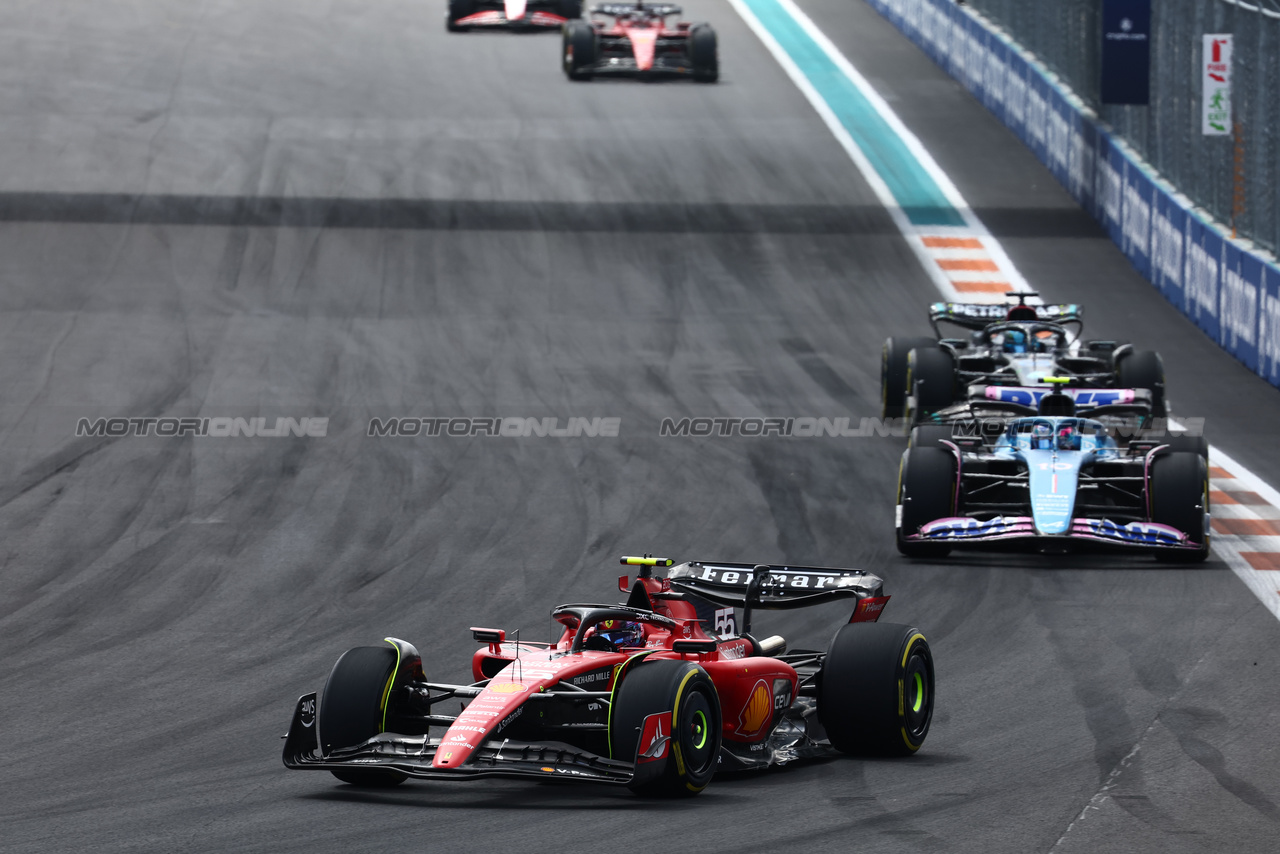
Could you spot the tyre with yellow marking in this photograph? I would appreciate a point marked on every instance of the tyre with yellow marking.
(681, 761)
(893, 373)
(353, 706)
(875, 690)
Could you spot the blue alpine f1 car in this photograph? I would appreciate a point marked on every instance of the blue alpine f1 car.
(1053, 482)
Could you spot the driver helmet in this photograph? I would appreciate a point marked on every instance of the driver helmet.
(1015, 341)
(1068, 438)
(621, 633)
(1041, 437)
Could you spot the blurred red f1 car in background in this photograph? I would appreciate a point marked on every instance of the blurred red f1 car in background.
(639, 42)
(656, 694)
(510, 14)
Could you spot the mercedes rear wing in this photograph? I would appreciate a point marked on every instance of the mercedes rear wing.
(981, 315)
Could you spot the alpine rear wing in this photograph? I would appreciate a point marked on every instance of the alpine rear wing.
(773, 588)
(1089, 402)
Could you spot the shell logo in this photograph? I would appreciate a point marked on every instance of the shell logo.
(756, 713)
(507, 688)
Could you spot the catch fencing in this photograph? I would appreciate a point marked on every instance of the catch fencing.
(1228, 288)
(1065, 35)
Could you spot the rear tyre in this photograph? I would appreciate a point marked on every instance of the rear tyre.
(926, 491)
(579, 49)
(686, 691)
(931, 377)
(458, 9)
(875, 692)
(1180, 499)
(351, 708)
(1145, 369)
(893, 374)
(703, 54)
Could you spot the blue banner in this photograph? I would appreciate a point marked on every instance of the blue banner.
(1168, 226)
(1200, 265)
(1238, 292)
(1269, 325)
(1136, 220)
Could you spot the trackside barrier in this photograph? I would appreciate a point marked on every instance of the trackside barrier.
(1229, 291)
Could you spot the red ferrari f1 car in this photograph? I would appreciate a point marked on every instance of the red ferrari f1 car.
(510, 14)
(656, 694)
(639, 42)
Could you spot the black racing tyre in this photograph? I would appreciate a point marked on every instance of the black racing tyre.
(875, 689)
(1144, 369)
(1183, 443)
(926, 491)
(579, 49)
(931, 377)
(703, 53)
(458, 9)
(570, 9)
(685, 689)
(1180, 498)
(351, 708)
(893, 374)
(928, 435)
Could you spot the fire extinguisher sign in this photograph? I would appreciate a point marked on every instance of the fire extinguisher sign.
(1216, 63)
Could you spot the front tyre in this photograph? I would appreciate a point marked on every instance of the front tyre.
(703, 53)
(927, 492)
(578, 49)
(352, 708)
(1180, 499)
(675, 701)
(875, 693)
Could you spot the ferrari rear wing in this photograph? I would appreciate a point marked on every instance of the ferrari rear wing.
(663, 9)
(772, 587)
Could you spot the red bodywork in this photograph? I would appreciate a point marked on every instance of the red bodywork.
(642, 32)
(754, 691)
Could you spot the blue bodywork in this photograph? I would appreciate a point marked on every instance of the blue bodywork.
(1054, 450)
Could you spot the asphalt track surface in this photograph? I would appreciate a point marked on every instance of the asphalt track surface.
(336, 209)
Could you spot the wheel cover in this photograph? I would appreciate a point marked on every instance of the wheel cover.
(700, 730)
(696, 733)
(918, 702)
